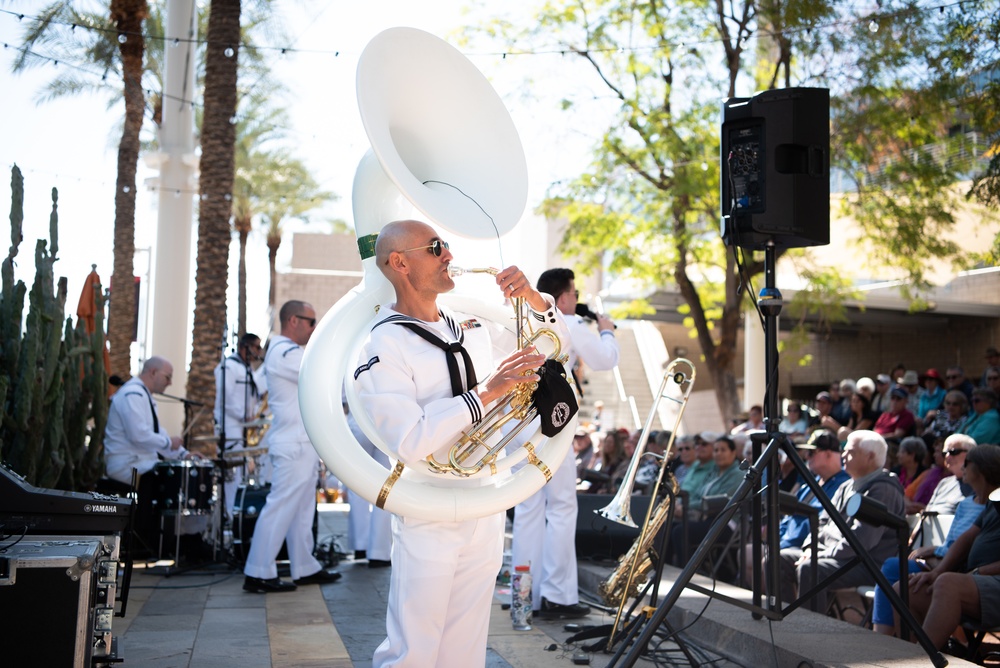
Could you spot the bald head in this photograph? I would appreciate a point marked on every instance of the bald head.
(157, 374)
(396, 236)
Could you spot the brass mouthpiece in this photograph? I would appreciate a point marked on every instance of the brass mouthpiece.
(455, 271)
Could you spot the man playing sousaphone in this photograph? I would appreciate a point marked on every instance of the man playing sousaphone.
(420, 397)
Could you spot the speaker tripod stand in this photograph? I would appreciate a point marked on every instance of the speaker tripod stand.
(770, 303)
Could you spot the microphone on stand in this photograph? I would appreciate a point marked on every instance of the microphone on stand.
(189, 402)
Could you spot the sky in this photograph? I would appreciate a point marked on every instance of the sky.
(71, 143)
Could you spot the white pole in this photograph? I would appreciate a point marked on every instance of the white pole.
(754, 374)
(170, 325)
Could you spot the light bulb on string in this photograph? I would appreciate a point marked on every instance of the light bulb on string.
(873, 26)
(229, 52)
(122, 39)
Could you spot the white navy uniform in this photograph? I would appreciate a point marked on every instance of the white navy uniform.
(244, 389)
(133, 437)
(443, 572)
(544, 533)
(291, 503)
(369, 527)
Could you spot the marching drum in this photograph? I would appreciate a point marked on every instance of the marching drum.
(186, 487)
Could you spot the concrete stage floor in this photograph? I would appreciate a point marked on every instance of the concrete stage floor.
(203, 618)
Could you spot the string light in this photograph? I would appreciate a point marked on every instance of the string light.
(283, 50)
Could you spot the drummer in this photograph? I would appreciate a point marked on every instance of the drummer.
(242, 375)
(134, 439)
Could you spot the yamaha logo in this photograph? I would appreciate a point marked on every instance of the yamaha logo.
(100, 509)
(560, 414)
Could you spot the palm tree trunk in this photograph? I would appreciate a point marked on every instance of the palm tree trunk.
(272, 259)
(128, 15)
(241, 324)
(217, 172)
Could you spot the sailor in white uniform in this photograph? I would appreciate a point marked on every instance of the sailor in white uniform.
(241, 399)
(291, 504)
(545, 523)
(420, 398)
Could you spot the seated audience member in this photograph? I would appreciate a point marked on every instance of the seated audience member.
(652, 462)
(991, 379)
(898, 421)
(910, 382)
(866, 386)
(754, 422)
(955, 377)
(822, 456)
(794, 424)
(965, 584)
(864, 456)
(842, 408)
(583, 451)
(880, 400)
(701, 469)
(611, 464)
(684, 447)
(910, 460)
(983, 424)
(950, 417)
(824, 404)
(933, 393)
(992, 362)
(927, 482)
(861, 416)
(952, 489)
(721, 483)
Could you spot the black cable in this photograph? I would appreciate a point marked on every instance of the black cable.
(24, 532)
(478, 205)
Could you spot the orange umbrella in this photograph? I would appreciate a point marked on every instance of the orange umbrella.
(86, 310)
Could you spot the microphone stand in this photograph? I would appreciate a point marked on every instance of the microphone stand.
(220, 531)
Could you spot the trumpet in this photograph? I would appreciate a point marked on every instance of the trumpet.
(621, 584)
(515, 406)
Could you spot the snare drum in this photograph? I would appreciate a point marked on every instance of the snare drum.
(187, 487)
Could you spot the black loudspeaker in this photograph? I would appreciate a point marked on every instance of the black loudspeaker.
(598, 538)
(775, 176)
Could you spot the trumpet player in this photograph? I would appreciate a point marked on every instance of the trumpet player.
(545, 523)
(420, 397)
(239, 387)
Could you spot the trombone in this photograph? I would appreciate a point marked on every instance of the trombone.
(619, 509)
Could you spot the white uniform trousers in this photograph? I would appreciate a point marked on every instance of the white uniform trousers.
(545, 537)
(288, 513)
(440, 592)
(233, 478)
(369, 528)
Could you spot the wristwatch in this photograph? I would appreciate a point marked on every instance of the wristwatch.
(974, 571)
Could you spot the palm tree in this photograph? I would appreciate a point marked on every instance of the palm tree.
(108, 42)
(293, 193)
(218, 138)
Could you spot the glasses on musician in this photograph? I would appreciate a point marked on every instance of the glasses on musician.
(435, 248)
(311, 321)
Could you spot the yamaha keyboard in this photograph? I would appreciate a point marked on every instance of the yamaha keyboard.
(32, 510)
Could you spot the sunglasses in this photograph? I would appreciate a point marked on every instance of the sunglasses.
(992, 377)
(311, 321)
(683, 447)
(954, 452)
(435, 249)
(952, 376)
(978, 400)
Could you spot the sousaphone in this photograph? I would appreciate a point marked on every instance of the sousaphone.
(442, 142)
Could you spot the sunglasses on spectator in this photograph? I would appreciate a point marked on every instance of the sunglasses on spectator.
(992, 377)
(952, 376)
(954, 452)
(311, 321)
(978, 400)
(434, 249)
(683, 447)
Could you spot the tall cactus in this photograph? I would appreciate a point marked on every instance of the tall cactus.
(52, 377)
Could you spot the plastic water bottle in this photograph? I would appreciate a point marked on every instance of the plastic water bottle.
(520, 604)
